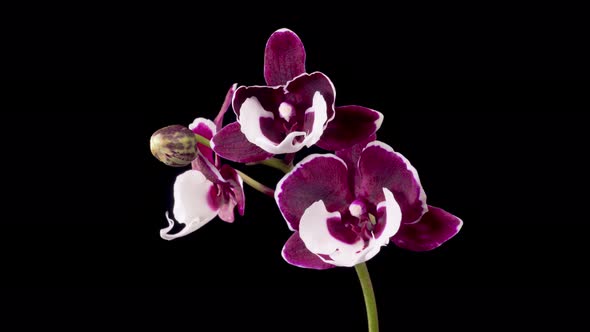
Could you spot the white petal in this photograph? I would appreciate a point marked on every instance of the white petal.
(393, 217)
(313, 230)
(191, 204)
(320, 110)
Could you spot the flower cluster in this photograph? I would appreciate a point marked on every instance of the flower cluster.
(372, 196)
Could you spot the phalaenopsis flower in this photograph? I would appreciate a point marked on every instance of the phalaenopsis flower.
(373, 194)
(294, 110)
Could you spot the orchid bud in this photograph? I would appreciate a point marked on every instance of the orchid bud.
(174, 145)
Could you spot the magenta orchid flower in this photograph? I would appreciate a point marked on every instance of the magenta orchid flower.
(295, 110)
(373, 195)
(209, 189)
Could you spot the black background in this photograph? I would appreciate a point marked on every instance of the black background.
(84, 198)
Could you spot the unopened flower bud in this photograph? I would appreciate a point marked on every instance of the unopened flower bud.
(174, 145)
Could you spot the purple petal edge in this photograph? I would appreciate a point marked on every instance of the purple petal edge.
(295, 253)
(231, 144)
(284, 57)
(434, 228)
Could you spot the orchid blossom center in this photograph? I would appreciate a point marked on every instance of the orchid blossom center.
(286, 111)
(357, 208)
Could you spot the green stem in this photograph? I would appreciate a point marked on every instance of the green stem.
(278, 164)
(370, 303)
(203, 140)
(256, 185)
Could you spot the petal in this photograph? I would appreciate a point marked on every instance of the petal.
(226, 211)
(205, 166)
(236, 186)
(284, 57)
(284, 120)
(231, 144)
(252, 120)
(302, 90)
(225, 106)
(390, 217)
(295, 253)
(232, 194)
(435, 228)
(207, 129)
(259, 127)
(352, 155)
(315, 230)
(381, 167)
(270, 97)
(308, 183)
(351, 125)
(316, 119)
(203, 127)
(194, 203)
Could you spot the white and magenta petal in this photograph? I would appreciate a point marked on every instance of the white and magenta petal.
(206, 128)
(389, 219)
(324, 234)
(316, 118)
(284, 57)
(316, 177)
(195, 204)
(351, 125)
(303, 92)
(231, 144)
(295, 253)
(435, 228)
(380, 167)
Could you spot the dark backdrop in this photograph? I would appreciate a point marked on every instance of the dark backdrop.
(84, 198)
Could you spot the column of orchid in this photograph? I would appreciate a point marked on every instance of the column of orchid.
(372, 196)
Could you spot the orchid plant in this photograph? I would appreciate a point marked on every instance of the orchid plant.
(372, 196)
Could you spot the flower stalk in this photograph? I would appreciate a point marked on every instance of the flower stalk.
(369, 295)
(278, 164)
(256, 185)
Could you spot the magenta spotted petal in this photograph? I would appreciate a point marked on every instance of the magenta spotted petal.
(284, 57)
(380, 167)
(231, 144)
(317, 177)
(295, 253)
(284, 119)
(435, 228)
(351, 125)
